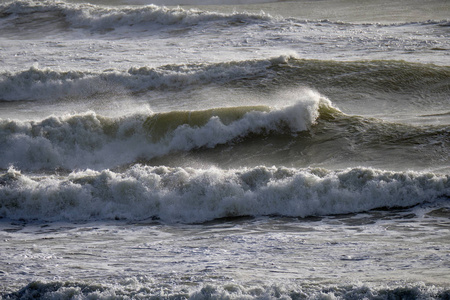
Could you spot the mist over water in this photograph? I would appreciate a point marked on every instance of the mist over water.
(212, 150)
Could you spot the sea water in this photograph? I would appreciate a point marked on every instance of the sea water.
(224, 150)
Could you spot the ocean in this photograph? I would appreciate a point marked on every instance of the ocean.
(204, 149)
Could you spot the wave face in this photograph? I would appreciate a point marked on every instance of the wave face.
(299, 134)
(196, 195)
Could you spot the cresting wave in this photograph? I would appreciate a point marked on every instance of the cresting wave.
(93, 141)
(308, 130)
(198, 195)
(363, 77)
(102, 19)
(141, 290)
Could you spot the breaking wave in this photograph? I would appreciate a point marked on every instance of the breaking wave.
(37, 84)
(417, 81)
(198, 195)
(308, 130)
(93, 141)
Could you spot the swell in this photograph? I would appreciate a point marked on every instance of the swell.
(377, 75)
(197, 195)
(413, 82)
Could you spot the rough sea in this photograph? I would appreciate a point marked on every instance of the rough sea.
(246, 149)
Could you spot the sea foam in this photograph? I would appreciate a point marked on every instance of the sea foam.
(197, 195)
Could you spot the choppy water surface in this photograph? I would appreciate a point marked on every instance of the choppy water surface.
(295, 149)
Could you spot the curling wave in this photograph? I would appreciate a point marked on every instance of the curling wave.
(93, 141)
(307, 131)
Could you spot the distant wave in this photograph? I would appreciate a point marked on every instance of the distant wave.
(198, 195)
(22, 16)
(368, 77)
(102, 19)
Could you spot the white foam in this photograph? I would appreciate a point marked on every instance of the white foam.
(197, 195)
(69, 141)
(47, 84)
(297, 117)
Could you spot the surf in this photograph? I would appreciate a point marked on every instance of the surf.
(190, 195)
